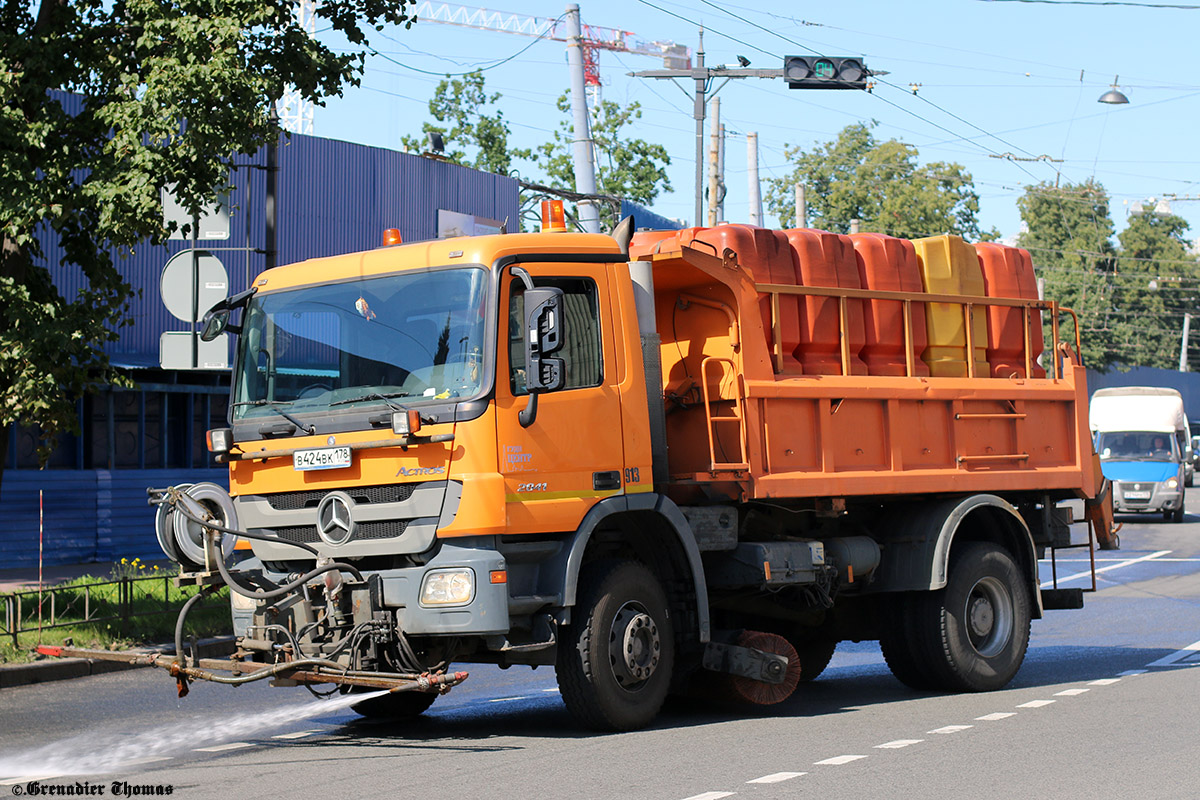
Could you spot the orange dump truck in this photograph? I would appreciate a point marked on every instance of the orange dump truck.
(666, 462)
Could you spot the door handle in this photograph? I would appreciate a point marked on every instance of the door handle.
(606, 480)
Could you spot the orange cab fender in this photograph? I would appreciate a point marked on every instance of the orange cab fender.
(919, 539)
(661, 505)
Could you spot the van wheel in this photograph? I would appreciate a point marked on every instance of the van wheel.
(615, 660)
(1178, 514)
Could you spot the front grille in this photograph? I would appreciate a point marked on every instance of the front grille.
(293, 501)
(382, 529)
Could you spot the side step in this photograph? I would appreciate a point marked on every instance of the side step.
(1062, 599)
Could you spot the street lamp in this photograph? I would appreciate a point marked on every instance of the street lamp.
(1113, 96)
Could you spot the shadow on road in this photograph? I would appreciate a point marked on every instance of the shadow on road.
(838, 690)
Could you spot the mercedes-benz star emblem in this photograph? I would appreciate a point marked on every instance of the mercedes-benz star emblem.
(335, 522)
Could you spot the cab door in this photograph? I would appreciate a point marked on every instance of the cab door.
(556, 469)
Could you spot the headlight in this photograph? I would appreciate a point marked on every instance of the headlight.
(448, 587)
(1173, 483)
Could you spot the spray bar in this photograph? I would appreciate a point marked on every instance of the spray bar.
(305, 670)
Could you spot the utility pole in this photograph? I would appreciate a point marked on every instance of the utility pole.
(1187, 324)
(756, 210)
(714, 163)
(703, 76)
(721, 170)
(585, 166)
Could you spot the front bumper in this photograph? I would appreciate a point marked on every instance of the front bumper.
(1145, 496)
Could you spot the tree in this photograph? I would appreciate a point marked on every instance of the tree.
(633, 169)
(1069, 233)
(881, 184)
(1154, 260)
(459, 105)
(101, 106)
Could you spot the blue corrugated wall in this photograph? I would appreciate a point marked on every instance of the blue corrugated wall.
(90, 515)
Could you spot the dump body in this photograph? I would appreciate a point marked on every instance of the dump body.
(638, 458)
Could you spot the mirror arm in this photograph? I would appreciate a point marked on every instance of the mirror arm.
(529, 413)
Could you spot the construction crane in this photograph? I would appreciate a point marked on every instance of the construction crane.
(595, 37)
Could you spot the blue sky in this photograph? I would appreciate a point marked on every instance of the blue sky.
(994, 78)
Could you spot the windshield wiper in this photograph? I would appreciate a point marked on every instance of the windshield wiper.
(374, 396)
(277, 405)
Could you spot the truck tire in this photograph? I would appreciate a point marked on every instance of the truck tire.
(977, 627)
(815, 655)
(898, 639)
(614, 661)
(395, 705)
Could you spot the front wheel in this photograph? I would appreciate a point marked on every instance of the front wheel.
(615, 660)
(395, 705)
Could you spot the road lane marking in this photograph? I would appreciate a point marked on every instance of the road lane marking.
(1129, 673)
(1037, 703)
(1117, 565)
(1070, 692)
(1104, 682)
(777, 777)
(551, 689)
(710, 796)
(220, 748)
(950, 729)
(837, 761)
(899, 743)
(1189, 654)
(295, 735)
(997, 716)
(506, 699)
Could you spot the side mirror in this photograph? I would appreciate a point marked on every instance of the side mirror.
(216, 319)
(543, 337)
(215, 323)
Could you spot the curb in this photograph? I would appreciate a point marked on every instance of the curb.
(61, 669)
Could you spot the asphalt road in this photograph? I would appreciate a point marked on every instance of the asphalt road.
(1104, 707)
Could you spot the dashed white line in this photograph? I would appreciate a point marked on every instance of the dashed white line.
(899, 743)
(295, 735)
(1104, 682)
(220, 748)
(950, 729)
(837, 761)
(777, 777)
(1071, 692)
(551, 689)
(506, 699)
(997, 716)
(1117, 565)
(1177, 657)
(710, 796)
(1037, 703)
(1129, 673)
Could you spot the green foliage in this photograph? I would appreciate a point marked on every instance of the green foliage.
(881, 184)
(633, 169)
(170, 90)
(1123, 320)
(459, 106)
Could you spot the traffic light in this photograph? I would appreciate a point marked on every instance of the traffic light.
(824, 72)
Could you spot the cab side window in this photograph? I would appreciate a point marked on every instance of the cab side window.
(581, 350)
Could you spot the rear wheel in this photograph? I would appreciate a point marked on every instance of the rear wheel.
(815, 655)
(969, 636)
(615, 660)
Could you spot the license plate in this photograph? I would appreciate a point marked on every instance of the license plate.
(1137, 495)
(324, 458)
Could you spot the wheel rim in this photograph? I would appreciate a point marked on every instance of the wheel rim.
(634, 646)
(989, 616)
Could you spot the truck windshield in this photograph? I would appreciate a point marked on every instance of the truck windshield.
(1137, 446)
(418, 336)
